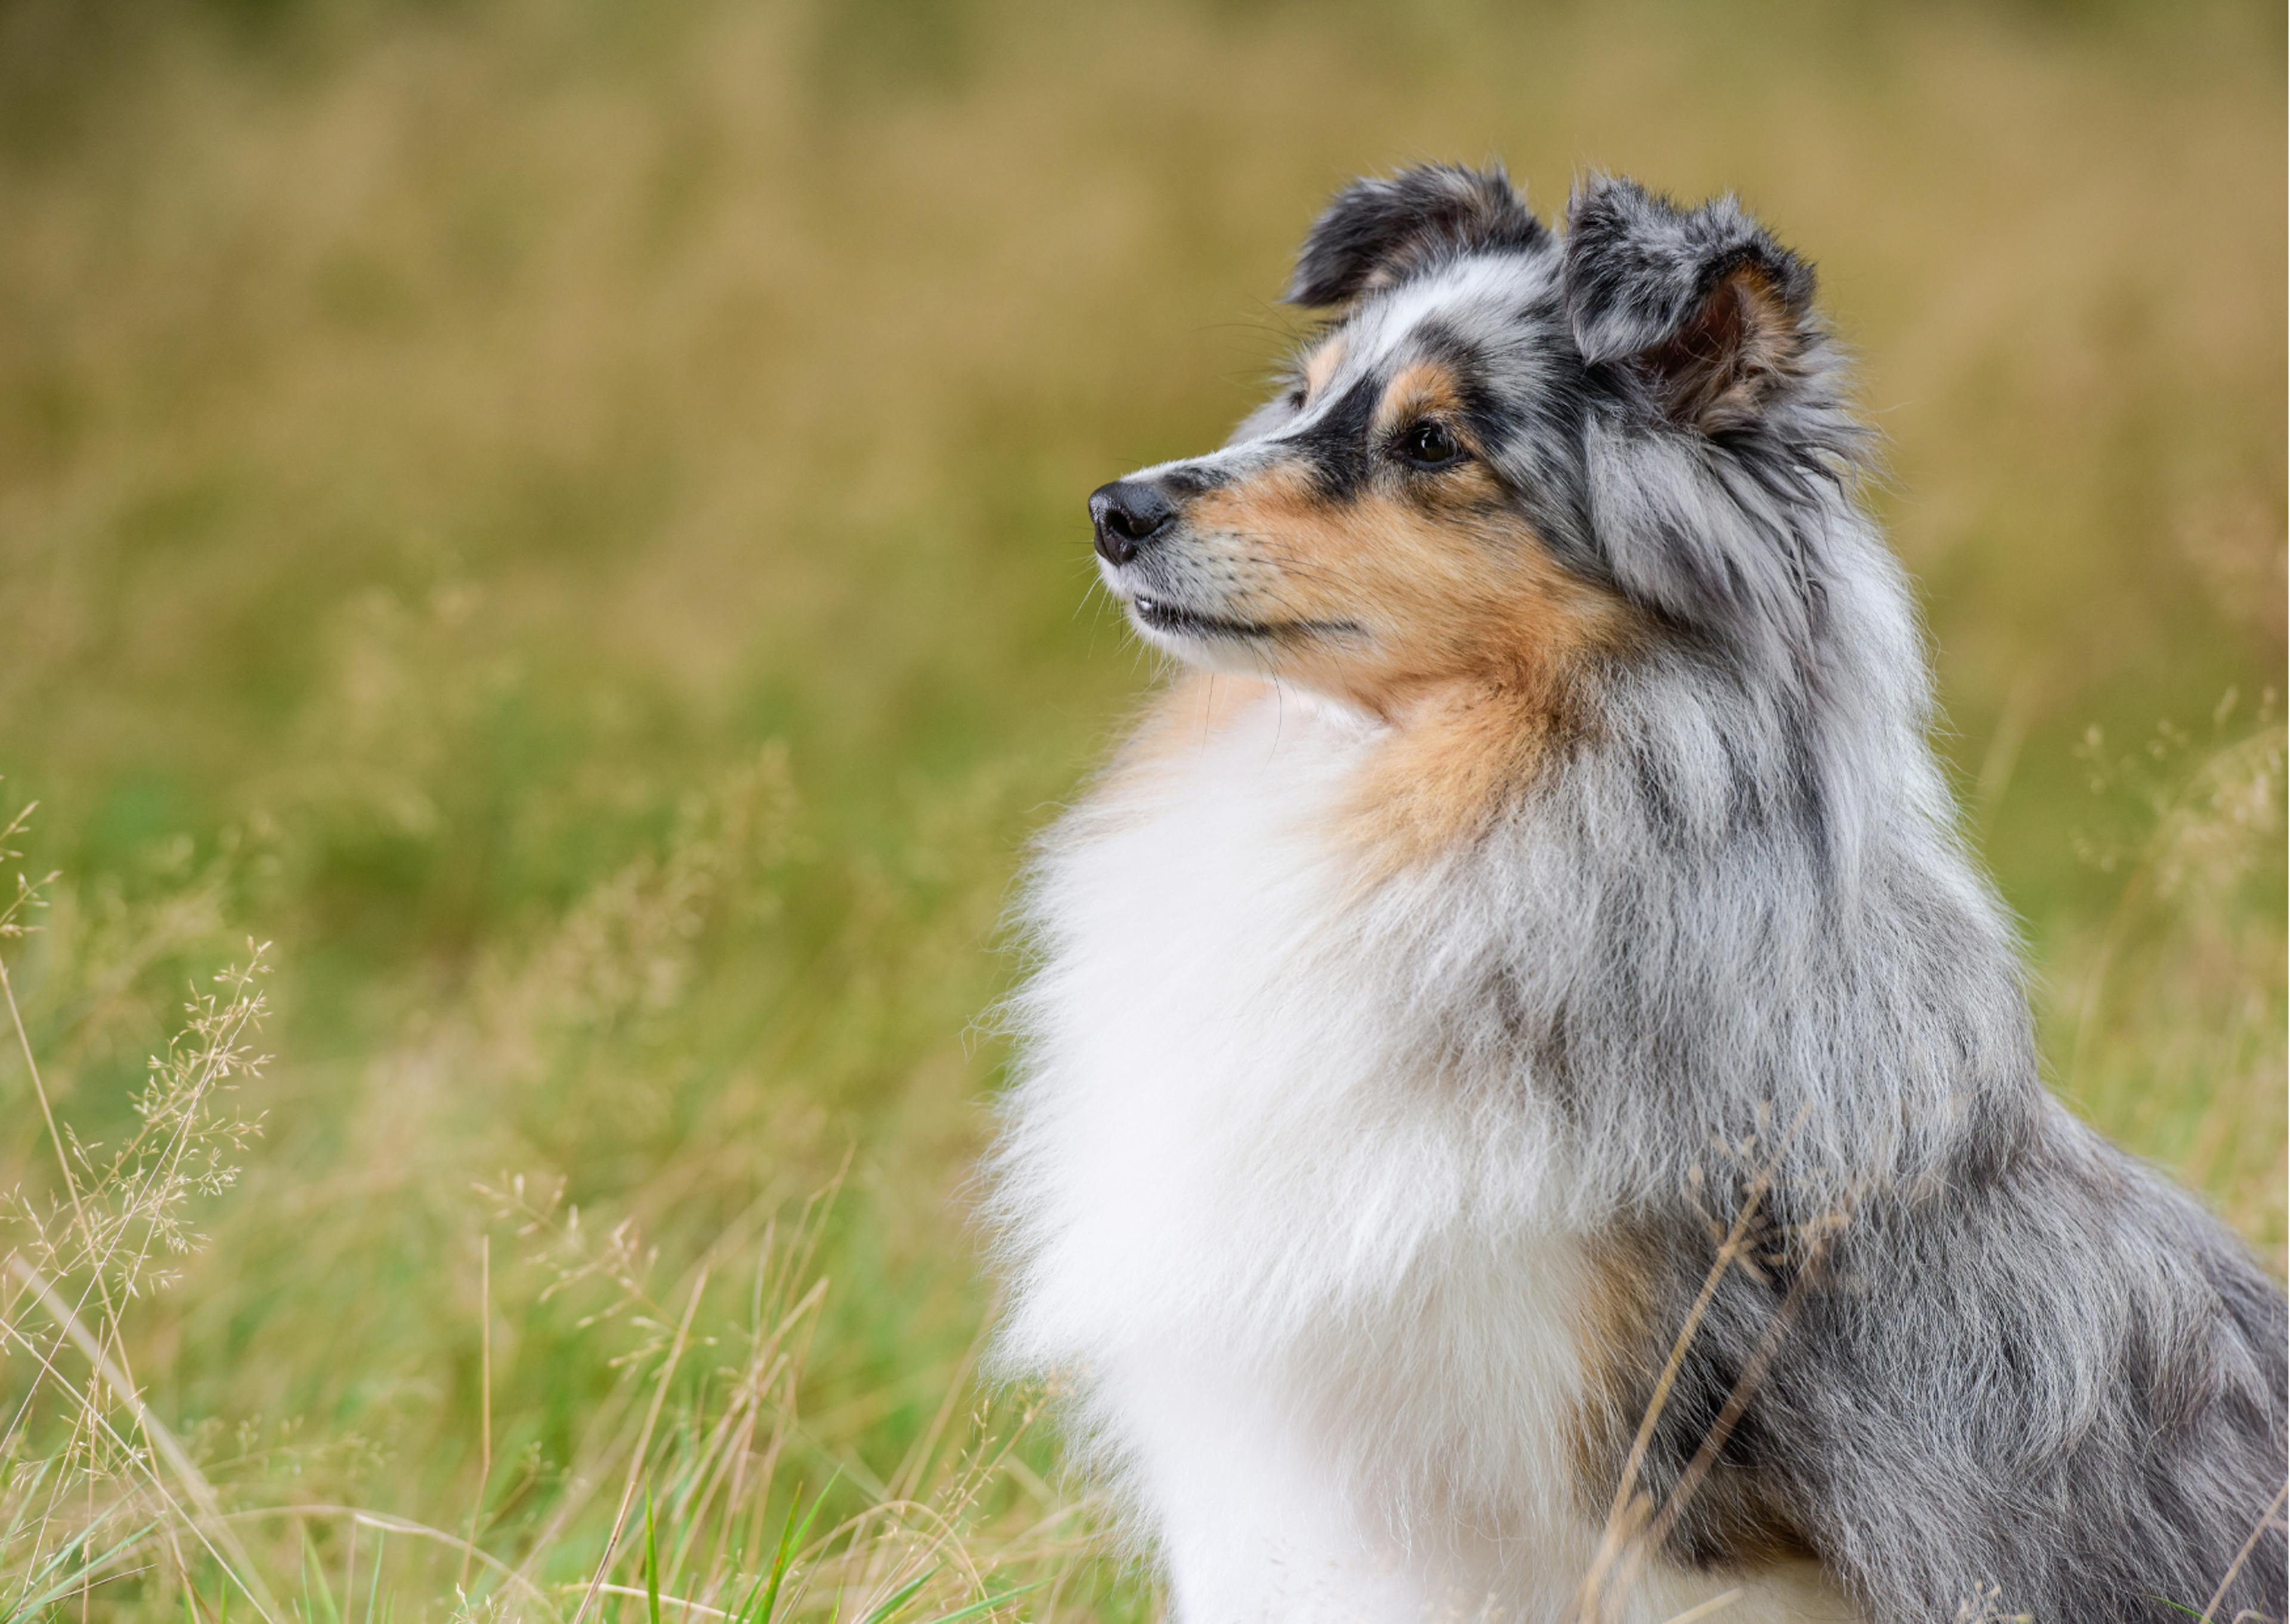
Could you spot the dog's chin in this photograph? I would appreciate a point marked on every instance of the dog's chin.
(1204, 641)
(1172, 624)
(1222, 642)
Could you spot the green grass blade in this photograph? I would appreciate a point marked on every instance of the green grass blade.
(312, 1569)
(790, 1536)
(833, 1478)
(744, 1610)
(373, 1587)
(651, 1564)
(898, 1599)
(984, 1604)
(59, 1576)
(770, 1586)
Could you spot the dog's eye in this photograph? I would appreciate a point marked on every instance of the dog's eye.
(1429, 445)
(1296, 398)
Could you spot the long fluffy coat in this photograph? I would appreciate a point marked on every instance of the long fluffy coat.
(1526, 1109)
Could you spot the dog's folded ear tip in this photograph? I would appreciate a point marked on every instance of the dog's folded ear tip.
(1322, 280)
(1593, 185)
(1376, 230)
(1599, 197)
(1712, 310)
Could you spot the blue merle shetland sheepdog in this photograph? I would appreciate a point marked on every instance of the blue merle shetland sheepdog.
(1527, 1110)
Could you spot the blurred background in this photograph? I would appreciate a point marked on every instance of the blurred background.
(565, 520)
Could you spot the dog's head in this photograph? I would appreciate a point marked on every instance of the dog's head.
(1502, 453)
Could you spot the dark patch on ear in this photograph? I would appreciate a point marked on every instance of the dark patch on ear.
(1377, 233)
(1702, 304)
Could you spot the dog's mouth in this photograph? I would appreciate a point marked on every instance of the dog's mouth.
(1158, 614)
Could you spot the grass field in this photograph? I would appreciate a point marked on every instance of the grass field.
(564, 520)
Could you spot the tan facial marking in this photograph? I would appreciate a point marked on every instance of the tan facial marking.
(1321, 366)
(1426, 389)
(1423, 597)
(1438, 609)
(1446, 583)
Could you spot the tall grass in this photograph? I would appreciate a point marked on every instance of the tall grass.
(564, 521)
(697, 1473)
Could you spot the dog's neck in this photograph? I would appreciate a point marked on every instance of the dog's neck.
(1438, 767)
(1662, 908)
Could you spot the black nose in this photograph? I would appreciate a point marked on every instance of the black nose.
(1128, 513)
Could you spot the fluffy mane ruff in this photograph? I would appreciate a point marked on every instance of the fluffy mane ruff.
(1357, 1182)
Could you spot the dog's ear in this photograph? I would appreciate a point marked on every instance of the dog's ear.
(1376, 232)
(1704, 305)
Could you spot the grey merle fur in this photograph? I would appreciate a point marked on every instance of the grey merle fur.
(1994, 1349)
(1377, 230)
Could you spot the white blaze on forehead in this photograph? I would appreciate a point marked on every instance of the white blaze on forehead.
(1466, 289)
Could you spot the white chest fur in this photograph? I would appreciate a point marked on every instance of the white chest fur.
(1274, 1200)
